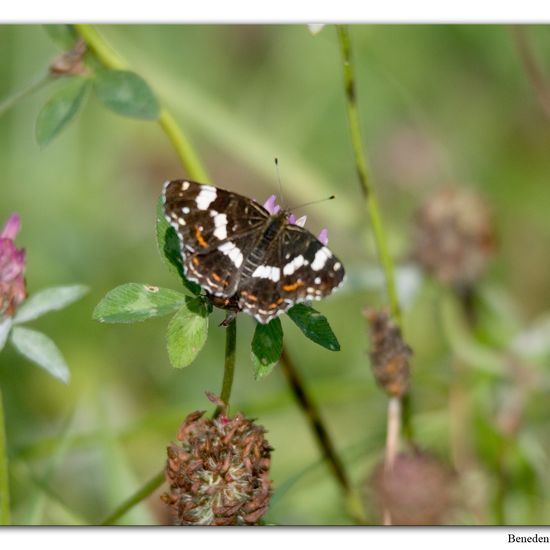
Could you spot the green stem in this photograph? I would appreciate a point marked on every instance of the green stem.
(229, 363)
(181, 143)
(373, 209)
(9, 102)
(135, 499)
(367, 188)
(186, 153)
(5, 518)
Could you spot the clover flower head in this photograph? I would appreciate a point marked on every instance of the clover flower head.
(454, 236)
(219, 472)
(273, 208)
(418, 490)
(12, 266)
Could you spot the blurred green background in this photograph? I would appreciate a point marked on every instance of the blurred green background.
(439, 104)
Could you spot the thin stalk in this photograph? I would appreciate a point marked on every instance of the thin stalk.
(9, 102)
(361, 164)
(392, 442)
(392, 432)
(322, 435)
(181, 143)
(135, 499)
(184, 149)
(5, 518)
(229, 363)
(375, 216)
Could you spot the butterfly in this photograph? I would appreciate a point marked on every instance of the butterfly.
(241, 254)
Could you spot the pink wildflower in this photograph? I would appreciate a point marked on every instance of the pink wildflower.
(12, 267)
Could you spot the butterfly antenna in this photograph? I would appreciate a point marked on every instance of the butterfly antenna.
(312, 202)
(280, 185)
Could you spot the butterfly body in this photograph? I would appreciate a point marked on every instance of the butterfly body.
(239, 252)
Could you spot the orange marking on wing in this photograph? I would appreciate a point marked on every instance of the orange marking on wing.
(293, 286)
(195, 260)
(216, 277)
(199, 237)
(249, 296)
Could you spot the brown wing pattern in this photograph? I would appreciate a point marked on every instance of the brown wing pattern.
(307, 270)
(203, 217)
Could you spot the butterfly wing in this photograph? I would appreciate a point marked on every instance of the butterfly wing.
(297, 268)
(214, 227)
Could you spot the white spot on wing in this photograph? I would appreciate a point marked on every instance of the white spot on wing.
(235, 255)
(337, 266)
(321, 257)
(220, 222)
(220, 233)
(206, 197)
(185, 185)
(267, 272)
(185, 210)
(292, 266)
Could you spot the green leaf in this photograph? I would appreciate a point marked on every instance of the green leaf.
(187, 332)
(314, 325)
(267, 346)
(170, 249)
(5, 327)
(49, 299)
(40, 350)
(64, 36)
(60, 109)
(133, 302)
(126, 93)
